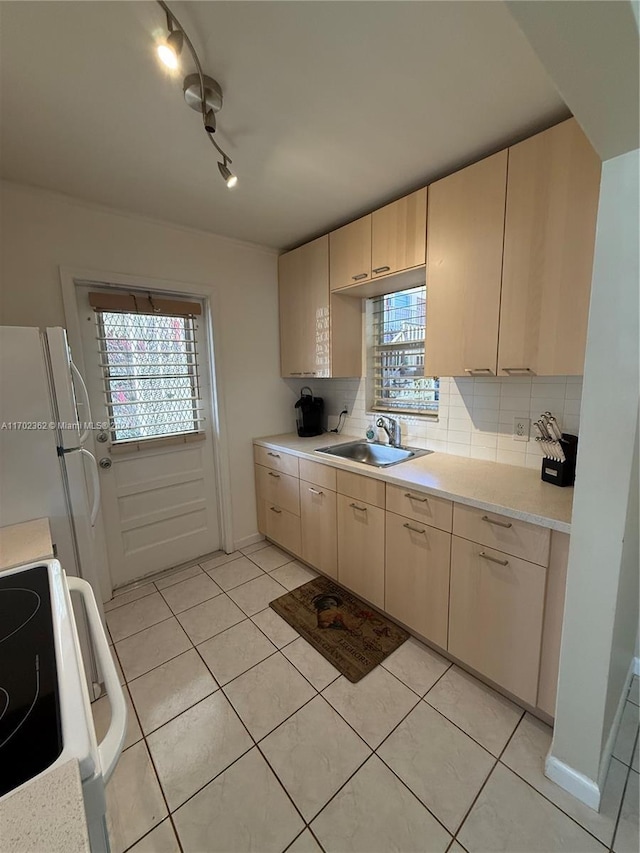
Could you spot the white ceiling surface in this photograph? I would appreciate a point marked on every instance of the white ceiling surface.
(331, 108)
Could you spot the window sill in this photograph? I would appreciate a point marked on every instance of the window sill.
(136, 445)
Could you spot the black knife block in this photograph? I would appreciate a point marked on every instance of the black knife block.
(562, 473)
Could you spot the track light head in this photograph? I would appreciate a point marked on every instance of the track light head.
(170, 50)
(210, 121)
(229, 178)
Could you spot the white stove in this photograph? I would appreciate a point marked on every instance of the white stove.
(45, 713)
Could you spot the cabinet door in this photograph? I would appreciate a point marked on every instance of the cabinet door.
(552, 201)
(495, 616)
(303, 279)
(417, 576)
(361, 548)
(319, 528)
(282, 527)
(279, 489)
(350, 253)
(464, 268)
(399, 234)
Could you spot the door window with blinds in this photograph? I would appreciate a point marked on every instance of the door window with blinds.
(396, 355)
(148, 351)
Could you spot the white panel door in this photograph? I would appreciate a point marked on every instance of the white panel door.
(159, 497)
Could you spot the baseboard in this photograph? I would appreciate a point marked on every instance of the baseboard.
(248, 540)
(579, 786)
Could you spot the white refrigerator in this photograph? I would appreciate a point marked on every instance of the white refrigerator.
(46, 471)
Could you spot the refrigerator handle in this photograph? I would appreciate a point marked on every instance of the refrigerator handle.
(95, 482)
(110, 748)
(85, 402)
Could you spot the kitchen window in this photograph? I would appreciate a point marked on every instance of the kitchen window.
(149, 362)
(396, 355)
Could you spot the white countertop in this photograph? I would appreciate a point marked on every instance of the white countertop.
(507, 489)
(46, 815)
(25, 543)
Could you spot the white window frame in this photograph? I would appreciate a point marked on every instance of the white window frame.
(406, 348)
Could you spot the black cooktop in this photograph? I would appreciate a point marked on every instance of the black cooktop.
(30, 725)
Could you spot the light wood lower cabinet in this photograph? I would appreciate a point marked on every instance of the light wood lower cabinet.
(495, 616)
(417, 576)
(283, 527)
(319, 521)
(361, 548)
(280, 489)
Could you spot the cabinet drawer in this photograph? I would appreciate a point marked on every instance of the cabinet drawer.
(276, 459)
(279, 489)
(319, 518)
(518, 538)
(361, 549)
(318, 474)
(417, 576)
(495, 616)
(436, 512)
(361, 488)
(283, 527)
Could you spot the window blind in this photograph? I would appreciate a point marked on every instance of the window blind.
(399, 383)
(150, 370)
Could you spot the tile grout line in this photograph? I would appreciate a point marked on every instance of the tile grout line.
(622, 798)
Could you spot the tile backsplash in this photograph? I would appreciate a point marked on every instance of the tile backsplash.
(476, 415)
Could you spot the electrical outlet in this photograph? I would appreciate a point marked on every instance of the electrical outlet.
(521, 427)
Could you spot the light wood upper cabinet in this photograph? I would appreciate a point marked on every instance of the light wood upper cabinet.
(350, 253)
(552, 200)
(304, 310)
(320, 335)
(399, 234)
(464, 269)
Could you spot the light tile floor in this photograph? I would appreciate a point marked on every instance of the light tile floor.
(243, 738)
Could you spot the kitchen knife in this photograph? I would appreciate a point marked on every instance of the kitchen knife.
(544, 432)
(553, 425)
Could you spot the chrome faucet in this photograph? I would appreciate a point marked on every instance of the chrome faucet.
(392, 430)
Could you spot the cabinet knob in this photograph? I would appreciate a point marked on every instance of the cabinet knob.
(275, 455)
(360, 276)
(271, 474)
(360, 508)
(315, 491)
(526, 370)
(482, 371)
(275, 509)
(381, 269)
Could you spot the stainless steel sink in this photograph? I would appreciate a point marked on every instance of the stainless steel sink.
(373, 453)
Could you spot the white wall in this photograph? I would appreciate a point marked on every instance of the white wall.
(596, 646)
(475, 416)
(40, 231)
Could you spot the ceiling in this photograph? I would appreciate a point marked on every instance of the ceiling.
(331, 108)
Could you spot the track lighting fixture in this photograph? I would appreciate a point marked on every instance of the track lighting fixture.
(201, 92)
(229, 178)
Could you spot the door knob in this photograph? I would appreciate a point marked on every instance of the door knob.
(105, 462)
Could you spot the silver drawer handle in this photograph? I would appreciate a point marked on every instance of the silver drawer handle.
(485, 370)
(497, 523)
(275, 509)
(416, 498)
(493, 559)
(275, 455)
(296, 373)
(517, 369)
(271, 474)
(309, 373)
(414, 529)
(315, 491)
(361, 508)
(382, 269)
(360, 276)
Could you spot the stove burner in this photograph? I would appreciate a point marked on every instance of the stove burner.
(19, 605)
(30, 724)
